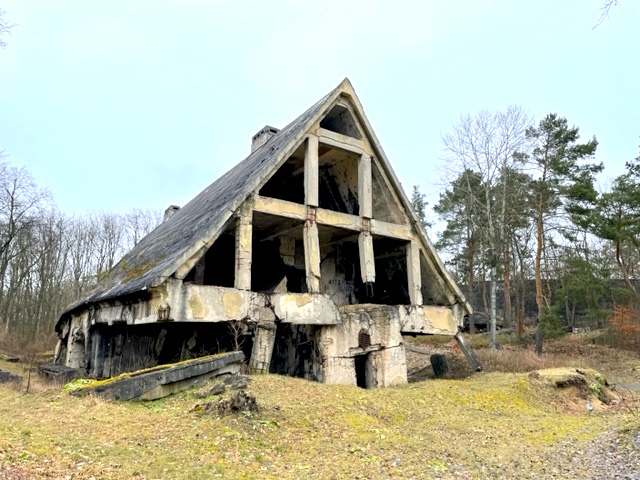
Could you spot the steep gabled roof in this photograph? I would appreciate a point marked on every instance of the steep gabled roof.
(196, 225)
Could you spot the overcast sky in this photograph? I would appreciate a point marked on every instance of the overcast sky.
(121, 104)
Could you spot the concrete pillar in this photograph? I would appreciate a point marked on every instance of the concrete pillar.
(265, 337)
(311, 253)
(76, 348)
(414, 279)
(311, 171)
(364, 186)
(367, 259)
(243, 248)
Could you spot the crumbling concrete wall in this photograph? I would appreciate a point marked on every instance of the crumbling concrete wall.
(365, 330)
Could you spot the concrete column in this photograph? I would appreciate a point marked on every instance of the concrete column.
(364, 186)
(312, 254)
(367, 259)
(244, 234)
(262, 351)
(414, 279)
(311, 171)
(76, 347)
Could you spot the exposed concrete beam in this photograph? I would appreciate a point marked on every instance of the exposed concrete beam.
(413, 273)
(311, 171)
(244, 232)
(338, 219)
(311, 252)
(337, 140)
(392, 230)
(281, 208)
(364, 186)
(367, 259)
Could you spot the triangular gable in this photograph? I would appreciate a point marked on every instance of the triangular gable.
(177, 244)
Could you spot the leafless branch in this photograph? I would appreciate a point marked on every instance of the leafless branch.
(604, 11)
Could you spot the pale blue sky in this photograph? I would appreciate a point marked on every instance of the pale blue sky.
(122, 104)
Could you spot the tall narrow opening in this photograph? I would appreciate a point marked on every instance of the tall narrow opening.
(391, 286)
(338, 180)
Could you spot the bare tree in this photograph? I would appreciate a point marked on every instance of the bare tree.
(484, 145)
(5, 28)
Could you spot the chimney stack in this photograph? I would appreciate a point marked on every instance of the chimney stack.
(262, 137)
(170, 212)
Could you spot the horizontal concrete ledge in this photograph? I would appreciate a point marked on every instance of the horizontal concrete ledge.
(413, 319)
(158, 382)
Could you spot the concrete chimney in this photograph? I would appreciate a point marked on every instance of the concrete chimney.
(170, 212)
(262, 137)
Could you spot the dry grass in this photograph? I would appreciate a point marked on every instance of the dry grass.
(489, 425)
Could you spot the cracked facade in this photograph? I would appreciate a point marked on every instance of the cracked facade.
(306, 256)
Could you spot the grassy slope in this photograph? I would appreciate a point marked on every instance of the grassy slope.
(453, 428)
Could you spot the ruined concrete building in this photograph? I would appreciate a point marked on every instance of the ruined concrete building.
(306, 255)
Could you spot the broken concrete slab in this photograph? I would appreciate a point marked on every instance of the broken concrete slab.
(159, 382)
(57, 373)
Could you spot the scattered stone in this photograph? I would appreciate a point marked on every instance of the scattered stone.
(7, 377)
(236, 382)
(218, 389)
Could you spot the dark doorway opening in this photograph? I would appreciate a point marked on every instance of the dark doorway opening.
(361, 364)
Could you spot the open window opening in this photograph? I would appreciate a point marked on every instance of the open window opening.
(295, 351)
(288, 182)
(338, 180)
(340, 265)
(391, 286)
(385, 205)
(431, 292)
(340, 120)
(277, 263)
(217, 266)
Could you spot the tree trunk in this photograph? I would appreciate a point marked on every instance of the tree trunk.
(485, 305)
(470, 266)
(492, 327)
(506, 311)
